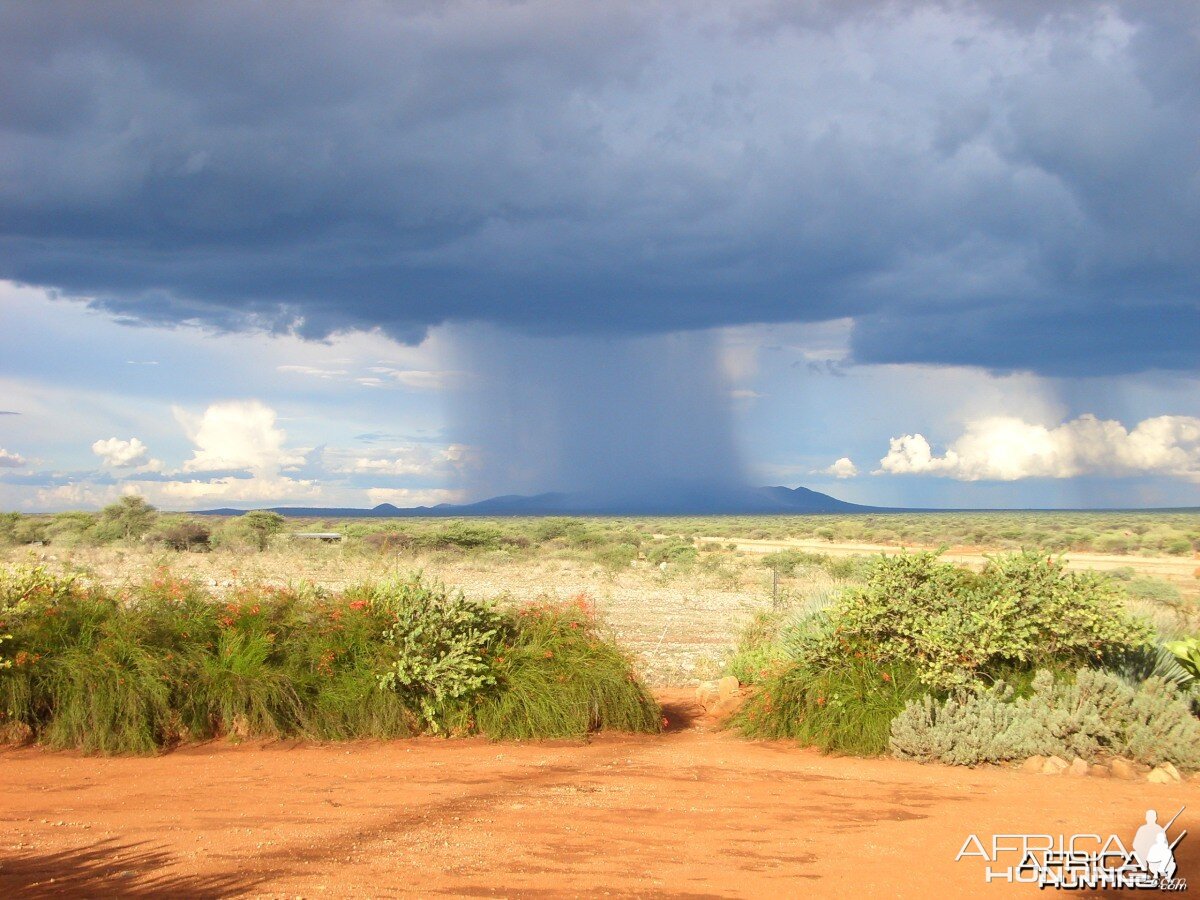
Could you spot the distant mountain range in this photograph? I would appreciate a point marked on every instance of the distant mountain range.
(748, 501)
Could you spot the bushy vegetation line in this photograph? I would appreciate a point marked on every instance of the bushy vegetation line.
(933, 661)
(615, 542)
(161, 662)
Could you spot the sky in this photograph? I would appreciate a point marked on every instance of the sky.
(936, 254)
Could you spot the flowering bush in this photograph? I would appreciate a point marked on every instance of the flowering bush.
(164, 661)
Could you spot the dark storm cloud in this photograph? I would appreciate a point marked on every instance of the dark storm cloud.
(1009, 185)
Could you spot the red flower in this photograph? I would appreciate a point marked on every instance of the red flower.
(359, 604)
(887, 677)
(820, 701)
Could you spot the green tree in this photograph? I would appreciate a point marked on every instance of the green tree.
(260, 525)
(128, 518)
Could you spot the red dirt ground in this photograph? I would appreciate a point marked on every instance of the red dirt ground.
(694, 813)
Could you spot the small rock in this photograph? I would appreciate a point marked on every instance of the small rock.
(724, 707)
(1123, 768)
(1099, 771)
(1055, 765)
(1033, 765)
(1160, 776)
(1078, 767)
(1172, 771)
(707, 693)
(728, 686)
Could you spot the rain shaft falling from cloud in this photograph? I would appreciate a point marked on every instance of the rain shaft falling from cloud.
(624, 422)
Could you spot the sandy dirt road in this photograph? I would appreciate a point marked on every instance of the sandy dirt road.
(693, 813)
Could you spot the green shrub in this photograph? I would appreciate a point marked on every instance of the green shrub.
(126, 520)
(785, 562)
(672, 551)
(1093, 715)
(1179, 546)
(463, 536)
(844, 708)
(850, 568)
(441, 642)
(183, 536)
(260, 525)
(616, 557)
(1153, 590)
(955, 625)
(71, 529)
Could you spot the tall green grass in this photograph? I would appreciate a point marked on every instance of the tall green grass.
(845, 708)
(163, 662)
(558, 677)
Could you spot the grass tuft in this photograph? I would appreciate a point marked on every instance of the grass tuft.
(847, 708)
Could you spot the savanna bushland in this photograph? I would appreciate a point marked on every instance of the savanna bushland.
(959, 637)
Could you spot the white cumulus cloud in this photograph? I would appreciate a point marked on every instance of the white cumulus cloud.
(840, 468)
(10, 460)
(237, 434)
(121, 454)
(1005, 448)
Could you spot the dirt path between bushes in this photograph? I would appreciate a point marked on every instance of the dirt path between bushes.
(694, 813)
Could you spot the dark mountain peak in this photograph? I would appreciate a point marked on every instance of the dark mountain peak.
(692, 502)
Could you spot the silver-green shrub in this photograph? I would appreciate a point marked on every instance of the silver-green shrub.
(1097, 714)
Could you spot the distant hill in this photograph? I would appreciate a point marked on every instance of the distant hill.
(750, 501)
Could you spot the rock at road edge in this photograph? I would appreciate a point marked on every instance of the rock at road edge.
(707, 693)
(1033, 765)
(1078, 767)
(1099, 771)
(728, 686)
(1123, 768)
(1172, 771)
(1055, 765)
(1160, 776)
